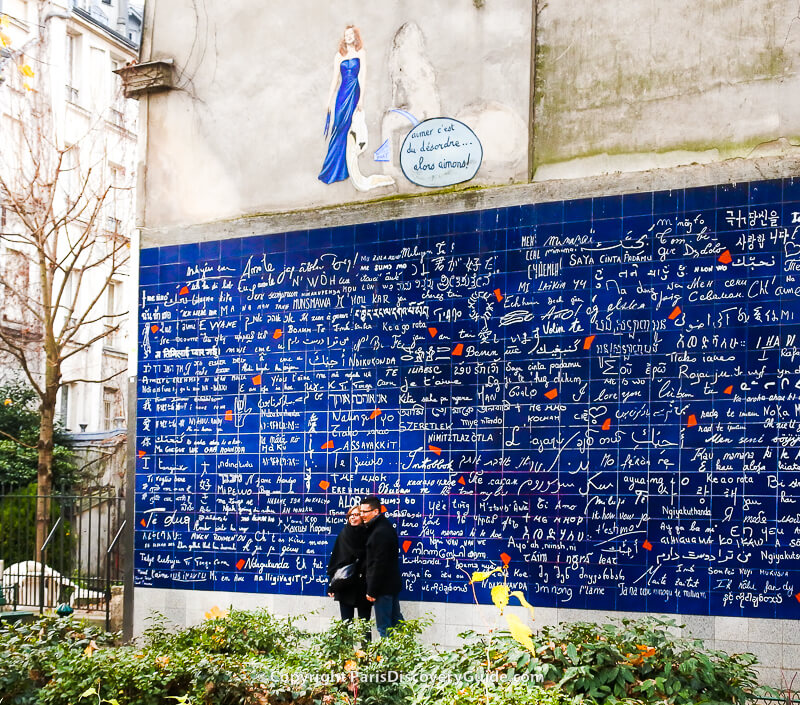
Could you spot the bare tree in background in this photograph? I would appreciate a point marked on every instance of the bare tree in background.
(60, 256)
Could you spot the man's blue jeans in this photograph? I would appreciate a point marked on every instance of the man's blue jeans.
(387, 613)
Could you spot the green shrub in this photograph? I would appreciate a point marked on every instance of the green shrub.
(254, 658)
(31, 654)
(642, 659)
(637, 661)
(238, 632)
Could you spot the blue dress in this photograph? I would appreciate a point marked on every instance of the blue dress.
(334, 168)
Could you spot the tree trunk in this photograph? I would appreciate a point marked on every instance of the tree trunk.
(44, 475)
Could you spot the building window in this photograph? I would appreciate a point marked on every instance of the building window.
(73, 67)
(113, 293)
(98, 67)
(109, 407)
(64, 406)
(115, 201)
(113, 298)
(116, 97)
(69, 299)
(70, 172)
(17, 281)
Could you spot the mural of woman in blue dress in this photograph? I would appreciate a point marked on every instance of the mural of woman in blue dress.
(346, 116)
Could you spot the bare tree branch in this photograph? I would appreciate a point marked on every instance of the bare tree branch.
(96, 381)
(78, 347)
(17, 440)
(57, 196)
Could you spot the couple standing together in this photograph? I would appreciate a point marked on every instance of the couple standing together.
(369, 541)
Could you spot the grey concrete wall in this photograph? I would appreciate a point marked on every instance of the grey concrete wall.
(243, 131)
(624, 86)
(689, 176)
(620, 86)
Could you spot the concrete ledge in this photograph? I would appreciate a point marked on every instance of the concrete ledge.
(730, 171)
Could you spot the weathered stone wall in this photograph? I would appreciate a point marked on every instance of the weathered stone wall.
(626, 86)
(243, 132)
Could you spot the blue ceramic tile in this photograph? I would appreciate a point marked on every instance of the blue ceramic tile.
(513, 216)
(766, 192)
(668, 202)
(148, 257)
(229, 250)
(171, 274)
(251, 246)
(697, 199)
(607, 207)
(168, 255)
(552, 212)
(527, 215)
(577, 210)
(209, 251)
(791, 189)
(637, 204)
(148, 276)
(465, 222)
(733, 195)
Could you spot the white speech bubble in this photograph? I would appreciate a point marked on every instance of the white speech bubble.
(440, 152)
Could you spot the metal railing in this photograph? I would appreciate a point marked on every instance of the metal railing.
(80, 559)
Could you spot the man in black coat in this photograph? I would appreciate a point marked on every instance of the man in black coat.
(384, 581)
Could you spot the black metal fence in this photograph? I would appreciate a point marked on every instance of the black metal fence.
(80, 560)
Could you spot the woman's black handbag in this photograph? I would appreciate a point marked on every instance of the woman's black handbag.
(344, 577)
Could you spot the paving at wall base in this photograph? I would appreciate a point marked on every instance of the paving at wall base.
(602, 394)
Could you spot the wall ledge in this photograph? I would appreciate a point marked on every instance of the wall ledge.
(464, 200)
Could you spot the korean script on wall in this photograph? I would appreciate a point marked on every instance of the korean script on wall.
(602, 394)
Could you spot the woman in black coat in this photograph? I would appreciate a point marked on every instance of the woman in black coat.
(350, 547)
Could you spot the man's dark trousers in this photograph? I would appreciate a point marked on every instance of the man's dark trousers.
(387, 612)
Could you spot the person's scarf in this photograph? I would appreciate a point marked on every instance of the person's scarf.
(351, 545)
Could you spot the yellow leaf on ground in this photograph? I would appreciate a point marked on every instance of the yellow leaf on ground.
(521, 632)
(90, 649)
(3, 21)
(500, 596)
(5, 40)
(26, 70)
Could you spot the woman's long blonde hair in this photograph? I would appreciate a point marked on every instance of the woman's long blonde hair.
(358, 42)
